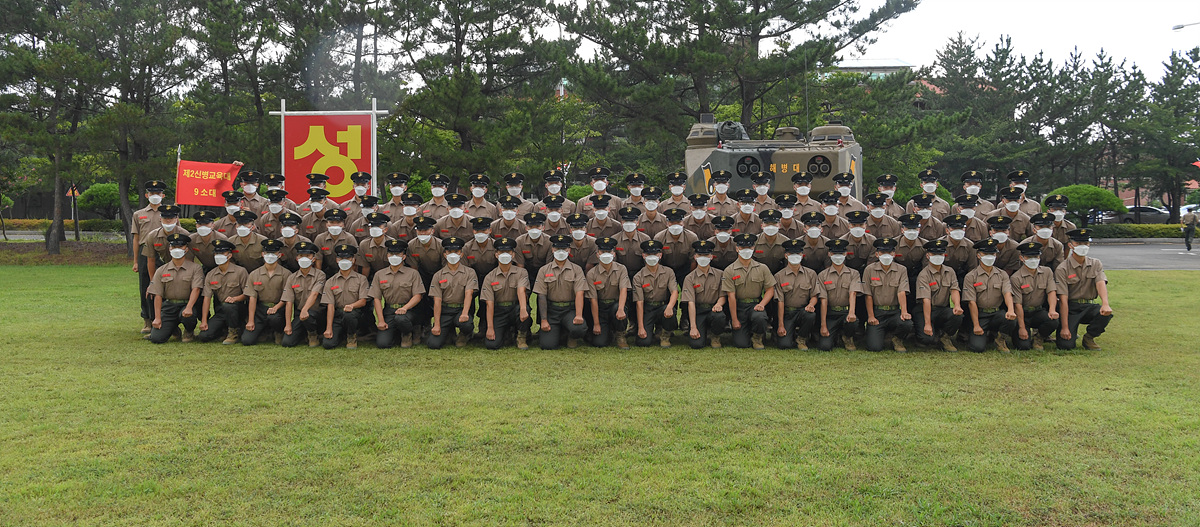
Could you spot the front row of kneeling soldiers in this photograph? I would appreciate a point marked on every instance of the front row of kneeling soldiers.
(797, 304)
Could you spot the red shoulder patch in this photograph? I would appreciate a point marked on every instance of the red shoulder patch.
(334, 287)
(931, 284)
(257, 283)
(166, 275)
(785, 284)
(383, 281)
(444, 280)
(876, 278)
(1026, 286)
(829, 282)
(977, 284)
(736, 277)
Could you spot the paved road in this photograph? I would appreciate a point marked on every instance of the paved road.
(1155, 255)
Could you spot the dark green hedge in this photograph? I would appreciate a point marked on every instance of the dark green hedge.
(1131, 230)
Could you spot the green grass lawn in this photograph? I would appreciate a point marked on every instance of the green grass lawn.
(100, 427)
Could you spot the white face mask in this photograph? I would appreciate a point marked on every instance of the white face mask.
(606, 258)
(698, 214)
(972, 190)
(746, 254)
(243, 231)
(316, 206)
(635, 191)
(723, 237)
(770, 230)
(877, 213)
(203, 230)
(703, 261)
(857, 232)
(1058, 215)
(508, 215)
(270, 258)
(831, 210)
(221, 259)
(651, 259)
(1044, 232)
(937, 259)
(988, 259)
(924, 213)
(1021, 186)
(803, 191)
(534, 233)
(409, 210)
(453, 258)
(795, 259)
(761, 190)
(1081, 250)
(232, 208)
(676, 190)
(1033, 263)
(168, 227)
(375, 232)
(578, 234)
(813, 232)
(360, 190)
(478, 191)
(1012, 206)
(957, 234)
(335, 229)
(250, 189)
(178, 253)
(560, 255)
(288, 232)
(553, 216)
(397, 191)
(345, 265)
(889, 193)
(368, 210)
(437, 192)
(1000, 237)
(887, 259)
(554, 188)
(481, 237)
(837, 259)
(721, 188)
(929, 187)
(911, 233)
(456, 213)
(154, 199)
(424, 238)
(504, 258)
(970, 213)
(675, 230)
(845, 191)
(602, 214)
(514, 191)
(787, 213)
(747, 208)
(395, 259)
(275, 208)
(599, 186)
(651, 206)
(304, 262)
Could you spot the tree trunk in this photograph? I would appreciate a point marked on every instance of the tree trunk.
(123, 184)
(55, 234)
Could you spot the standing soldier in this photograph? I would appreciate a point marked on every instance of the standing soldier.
(805, 202)
(975, 228)
(887, 186)
(885, 284)
(174, 290)
(247, 244)
(145, 220)
(608, 284)
(425, 255)
(724, 250)
(843, 185)
(720, 203)
(1007, 257)
(861, 244)
(317, 201)
(362, 185)
(1053, 252)
(652, 221)
(313, 222)
(1010, 207)
(879, 223)
(940, 303)
(960, 251)
(264, 289)
(636, 183)
(335, 234)
(749, 286)
(1189, 222)
(288, 234)
(837, 287)
(360, 227)
(816, 253)
(560, 286)
(437, 207)
(769, 248)
(1056, 206)
(456, 223)
(1033, 291)
(1080, 280)
(514, 187)
(972, 183)
(397, 185)
(746, 221)
(931, 227)
(910, 247)
(676, 184)
(555, 207)
(268, 220)
(276, 181)
(701, 293)
(157, 250)
(251, 200)
(762, 183)
(554, 186)
(675, 244)
(533, 247)
(510, 224)
(304, 314)
(602, 226)
(374, 248)
(344, 296)
(201, 243)
(599, 177)
(478, 206)
(1020, 179)
(929, 184)
(397, 290)
(583, 247)
(453, 291)
(655, 293)
(479, 254)
(796, 296)
(402, 218)
(224, 292)
(629, 241)
(789, 224)
(986, 290)
(505, 292)
(226, 224)
(835, 225)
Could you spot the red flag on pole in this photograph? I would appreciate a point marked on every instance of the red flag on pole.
(199, 183)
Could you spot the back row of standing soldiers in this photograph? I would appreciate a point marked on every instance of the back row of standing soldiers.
(791, 267)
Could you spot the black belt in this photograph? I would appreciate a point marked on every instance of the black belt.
(792, 309)
(704, 307)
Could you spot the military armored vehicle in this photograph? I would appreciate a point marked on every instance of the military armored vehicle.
(828, 150)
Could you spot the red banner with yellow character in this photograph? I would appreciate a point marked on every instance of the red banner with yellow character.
(334, 145)
(199, 183)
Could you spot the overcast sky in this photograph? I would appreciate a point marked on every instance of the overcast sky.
(1139, 31)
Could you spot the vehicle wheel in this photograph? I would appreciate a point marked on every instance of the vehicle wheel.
(1127, 220)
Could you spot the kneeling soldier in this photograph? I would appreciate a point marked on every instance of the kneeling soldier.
(453, 290)
(1080, 281)
(940, 303)
(560, 286)
(264, 288)
(175, 287)
(796, 294)
(344, 297)
(397, 289)
(1033, 290)
(655, 294)
(885, 284)
(303, 314)
(506, 290)
(705, 303)
(987, 290)
(224, 292)
(749, 286)
(837, 286)
(609, 287)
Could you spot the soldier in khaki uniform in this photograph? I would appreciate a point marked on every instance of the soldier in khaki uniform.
(514, 187)
(437, 207)
(556, 223)
(655, 293)
(608, 293)
(720, 204)
(886, 286)
(360, 227)
(264, 291)
(805, 201)
(402, 227)
(478, 206)
(972, 184)
(561, 287)
(554, 186)
(796, 297)
(938, 207)
(1010, 207)
(1007, 257)
(425, 255)
(173, 290)
(533, 247)
(837, 287)
(397, 185)
(396, 290)
(975, 228)
(1035, 297)
(145, 220)
(247, 244)
(453, 291)
(629, 241)
(746, 221)
(1019, 179)
(456, 223)
(313, 212)
(373, 249)
(861, 248)
(652, 221)
(1053, 252)
(155, 246)
(768, 250)
(479, 254)
(510, 224)
(931, 227)
(304, 314)
(276, 181)
(789, 223)
(1080, 281)
(886, 184)
(835, 225)
(599, 177)
(698, 220)
(762, 183)
(605, 223)
(583, 247)
(701, 293)
(939, 314)
(335, 234)
(843, 185)
(676, 243)
(226, 223)
(676, 186)
(986, 291)
(910, 250)
(960, 250)
(354, 206)
(289, 235)
(879, 224)
(816, 252)
(201, 241)
(1189, 222)
(344, 297)
(749, 286)
(635, 183)
(268, 220)
(251, 199)
(505, 292)
(724, 250)
(224, 293)
(318, 198)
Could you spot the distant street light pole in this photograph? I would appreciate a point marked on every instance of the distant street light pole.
(1181, 26)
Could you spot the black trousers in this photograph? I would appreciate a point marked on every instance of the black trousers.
(707, 323)
(1188, 232)
(1036, 323)
(1079, 313)
(561, 319)
(398, 326)
(889, 323)
(225, 315)
(609, 325)
(262, 322)
(654, 319)
(449, 322)
(799, 325)
(147, 303)
(944, 321)
(752, 322)
(835, 322)
(172, 317)
(505, 321)
(343, 322)
(301, 328)
(992, 323)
